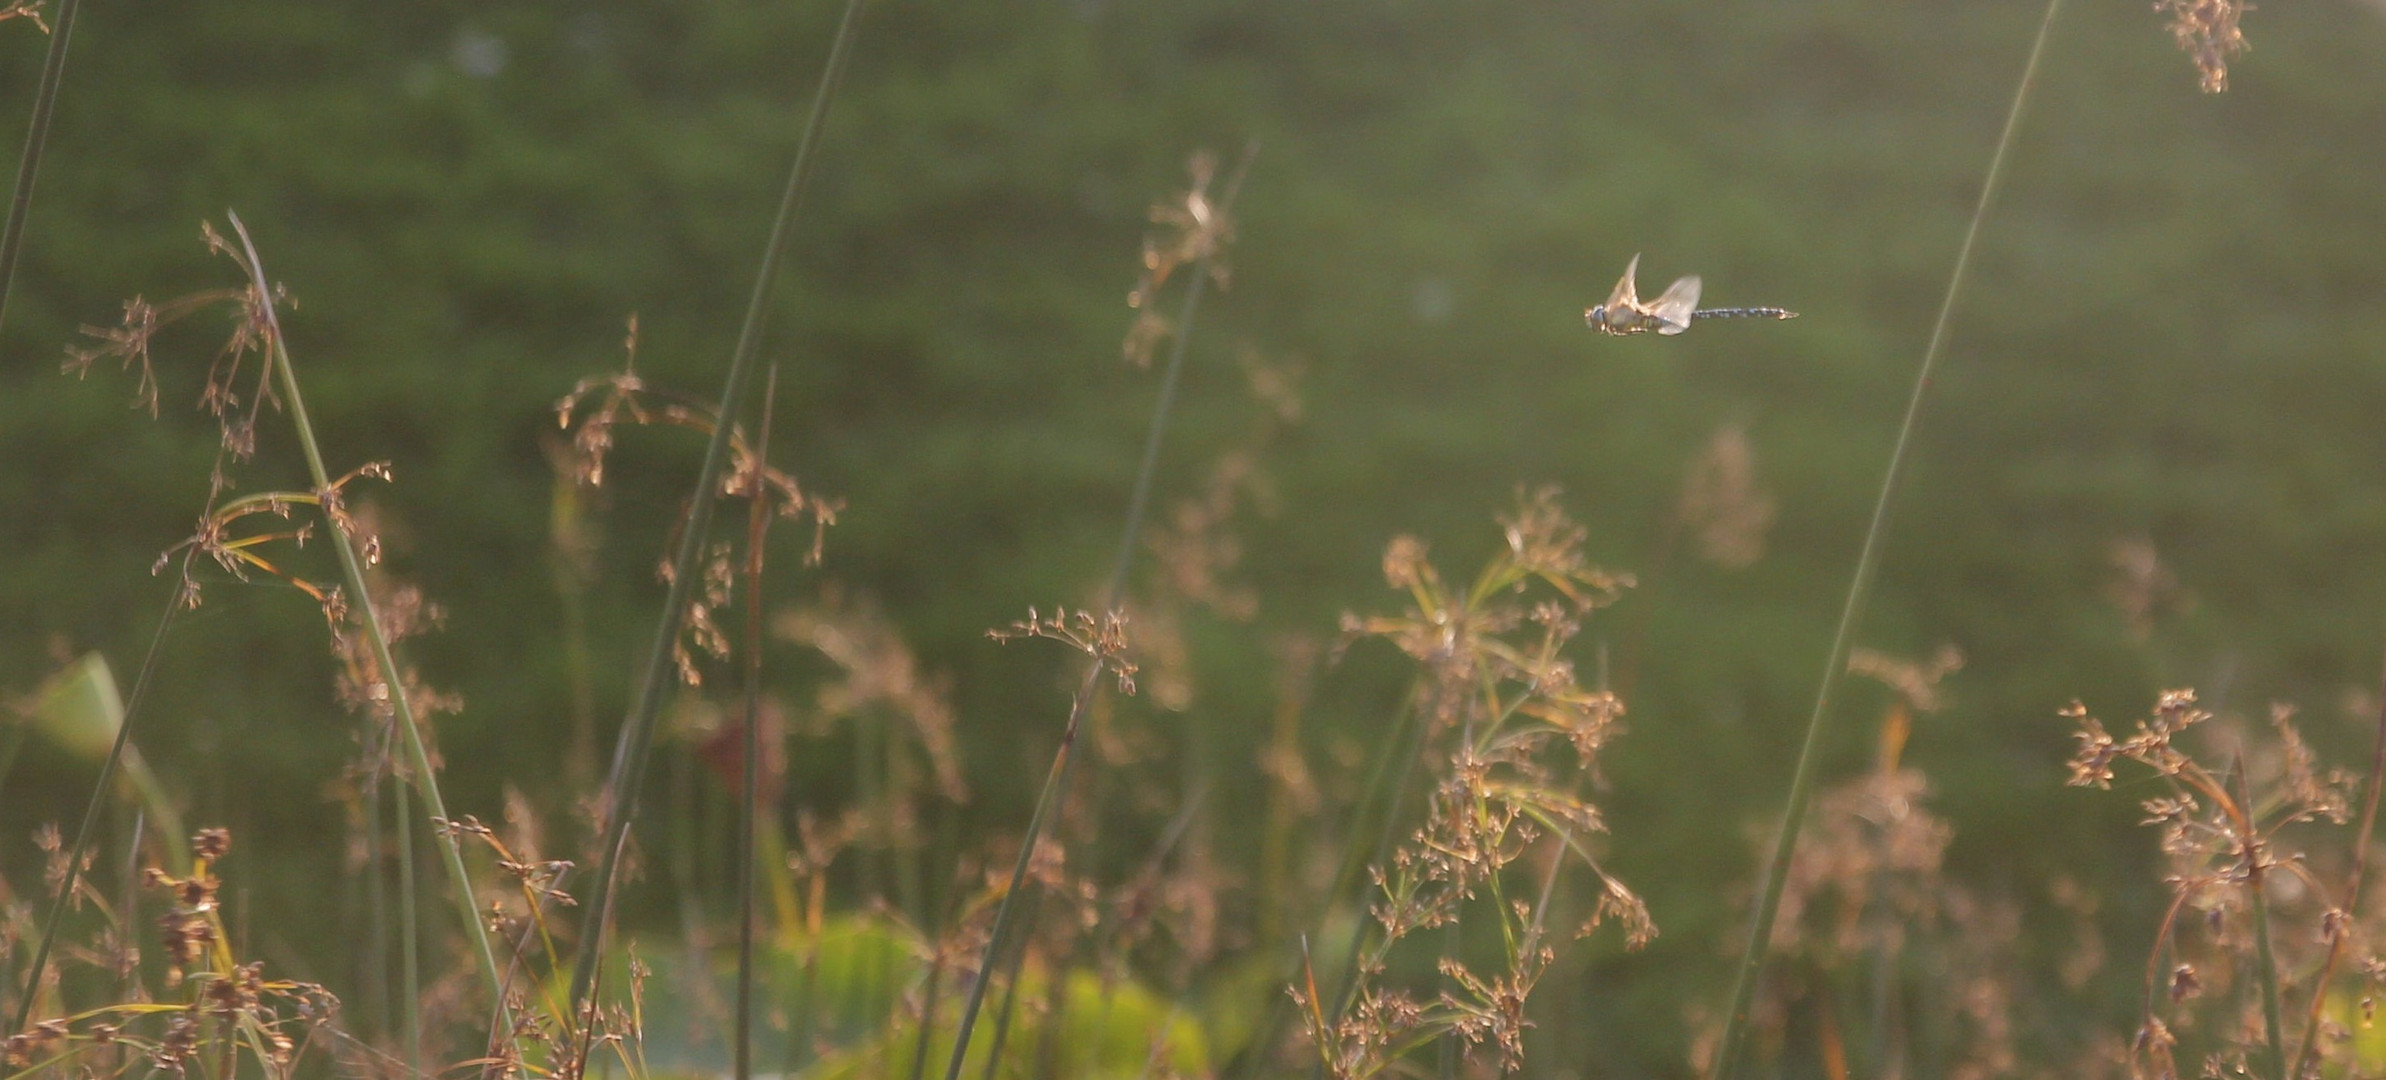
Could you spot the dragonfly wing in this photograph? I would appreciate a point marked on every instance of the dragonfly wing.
(1625, 298)
(1672, 310)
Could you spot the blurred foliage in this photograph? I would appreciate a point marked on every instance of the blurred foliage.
(2171, 336)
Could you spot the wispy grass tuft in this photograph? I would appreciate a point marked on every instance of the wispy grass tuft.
(1801, 793)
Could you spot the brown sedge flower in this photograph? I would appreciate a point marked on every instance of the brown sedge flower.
(1190, 228)
(2221, 846)
(1104, 638)
(1499, 698)
(600, 404)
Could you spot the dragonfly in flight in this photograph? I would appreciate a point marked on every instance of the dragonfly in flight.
(1670, 313)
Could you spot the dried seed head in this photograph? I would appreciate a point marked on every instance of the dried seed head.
(2206, 30)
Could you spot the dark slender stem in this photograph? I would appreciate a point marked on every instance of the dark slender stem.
(1138, 501)
(99, 799)
(1008, 913)
(37, 136)
(2255, 872)
(1010, 1004)
(637, 731)
(128, 912)
(1785, 841)
(750, 802)
(919, 1049)
(410, 946)
(1003, 1014)
(376, 952)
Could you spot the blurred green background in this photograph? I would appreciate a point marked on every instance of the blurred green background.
(2172, 332)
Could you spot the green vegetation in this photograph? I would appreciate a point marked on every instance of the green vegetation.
(2149, 459)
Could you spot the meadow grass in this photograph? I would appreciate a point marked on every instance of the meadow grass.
(1409, 938)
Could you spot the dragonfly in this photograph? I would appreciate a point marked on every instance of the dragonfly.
(1670, 313)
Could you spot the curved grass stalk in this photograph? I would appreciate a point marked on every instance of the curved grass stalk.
(637, 732)
(1785, 842)
(426, 782)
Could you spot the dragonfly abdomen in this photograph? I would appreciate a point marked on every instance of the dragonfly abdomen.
(1744, 313)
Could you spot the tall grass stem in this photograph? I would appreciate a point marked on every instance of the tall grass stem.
(1008, 912)
(91, 809)
(410, 942)
(37, 137)
(2267, 976)
(637, 732)
(1785, 841)
(426, 781)
(1113, 591)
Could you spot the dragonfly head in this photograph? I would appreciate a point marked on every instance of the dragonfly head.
(1596, 318)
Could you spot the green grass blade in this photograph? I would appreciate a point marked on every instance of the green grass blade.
(637, 732)
(37, 136)
(426, 782)
(1785, 842)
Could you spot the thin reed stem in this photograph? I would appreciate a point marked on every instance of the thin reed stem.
(1008, 912)
(410, 947)
(1010, 1004)
(128, 912)
(919, 1049)
(375, 961)
(749, 804)
(1138, 502)
(1785, 841)
(426, 781)
(637, 731)
(2267, 975)
(2352, 904)
(37, 136)
(91, 809)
